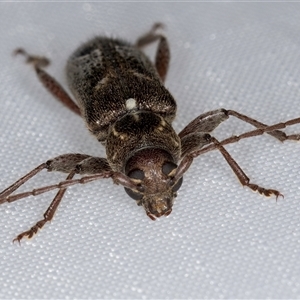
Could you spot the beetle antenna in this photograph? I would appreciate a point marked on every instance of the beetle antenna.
(62, 184)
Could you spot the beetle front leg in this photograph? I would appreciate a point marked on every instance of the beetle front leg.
(67, 163)
(243, 178)
(64, 163)
(194, 141)
(48, 215)
(195, 135)
(206, 122)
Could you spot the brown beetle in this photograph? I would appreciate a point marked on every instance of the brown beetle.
(122, 98)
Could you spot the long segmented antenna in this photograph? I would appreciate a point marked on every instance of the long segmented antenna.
(62, 184)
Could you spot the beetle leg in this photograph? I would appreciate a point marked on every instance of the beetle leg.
(149, 37)
(162, 57)
(48, 215)
(193, 141)
(4, 194)
(207, 122)
(249, 134)
(48, 81)
(278, 134)
(215, 144)
(64, 163)
(243, 178)
(67, 163)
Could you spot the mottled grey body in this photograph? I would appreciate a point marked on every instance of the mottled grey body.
(103, 74)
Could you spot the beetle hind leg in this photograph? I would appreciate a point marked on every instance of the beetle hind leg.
(162, 57)
(40, 62)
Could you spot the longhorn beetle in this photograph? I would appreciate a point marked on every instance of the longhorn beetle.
(121, 96)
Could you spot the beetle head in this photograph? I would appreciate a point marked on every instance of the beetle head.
(153, 170)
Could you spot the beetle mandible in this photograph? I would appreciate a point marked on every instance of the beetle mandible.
(121, 96)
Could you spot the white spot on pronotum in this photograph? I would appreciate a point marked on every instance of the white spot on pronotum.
(130, 104)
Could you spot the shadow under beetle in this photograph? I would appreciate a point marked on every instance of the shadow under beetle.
(122, 98)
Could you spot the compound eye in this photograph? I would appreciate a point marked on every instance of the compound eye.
(177, 186)
(136, 174)
(168, 167)
(133, 195)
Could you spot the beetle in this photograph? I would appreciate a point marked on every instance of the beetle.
(121, 96)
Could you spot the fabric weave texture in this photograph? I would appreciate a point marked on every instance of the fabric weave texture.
(221, 240)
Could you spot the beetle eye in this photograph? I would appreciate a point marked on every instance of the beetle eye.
(168, 167)
(133, 195)
(177, 186)
(136, 174)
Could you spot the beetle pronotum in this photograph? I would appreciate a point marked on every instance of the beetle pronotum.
(121, 96)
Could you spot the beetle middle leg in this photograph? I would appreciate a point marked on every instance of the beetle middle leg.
(162, 57)
(48, 81)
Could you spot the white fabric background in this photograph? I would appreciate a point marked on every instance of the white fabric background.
(221, 240)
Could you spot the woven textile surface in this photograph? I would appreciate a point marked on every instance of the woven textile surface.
(221, 240)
